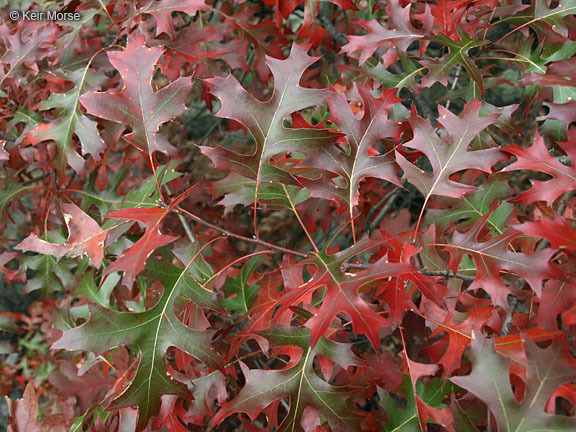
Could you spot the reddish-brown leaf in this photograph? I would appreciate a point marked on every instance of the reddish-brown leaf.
(84, 237)
(137, 105)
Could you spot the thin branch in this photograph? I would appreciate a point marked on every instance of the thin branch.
(507, 322)
(447, 273)
(37, 179)
(389, 203)
(183, 221)
(238, 236)
(345, 266)
(326, 10)
(426, 272)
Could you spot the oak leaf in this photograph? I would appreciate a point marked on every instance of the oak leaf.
(298, 381)
(72, 122)
(537, 158)
(400, 36)
(137, 104)
(547, 369)
(84, 237)
(357, 161)
(153, 331)
(495, 256)
(265, 122)
(24, 415)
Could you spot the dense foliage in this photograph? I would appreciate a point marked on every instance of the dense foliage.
(285, 215)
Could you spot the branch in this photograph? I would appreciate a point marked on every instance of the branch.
(225, 232)
(507, 322)
(447, 273)
(324, 18)
(426, 272)
(345, 266)
(391, 199)
(36, 179)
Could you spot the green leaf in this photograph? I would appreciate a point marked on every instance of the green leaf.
(299, 382)
(547, 369)
(554, 17)
(241, 190)
(240, 294)
(146, 194)
(8, 193)
(440, 69)
(94, 294)
(153, 332)
(71, 122)
(50, 274)
(470, 207)
(405, 418)
(265, 122)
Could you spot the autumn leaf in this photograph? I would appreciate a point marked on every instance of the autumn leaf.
(439, 69)
(458, 328)
(547, 369)
(162, 12)
(264, 120)
(133, 260)
(299, 382)
(153, 331)
(401, 35)
(537, 158)
(467, 209)
(24, 415)
(72, 122)
(357, 160)
(137, 105)
(448, 153)
(426, 403)
(310, 28)
(84, 237)
(495, 256)
(27, 45)
(342, 291)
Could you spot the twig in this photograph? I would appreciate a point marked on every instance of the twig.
(509, 317)
(454, 83)
(324, 18)
(238, 236)
(183, 221)
(345, 266)
(37, 179)
(425, 272)
(391, 199)
(447, 273)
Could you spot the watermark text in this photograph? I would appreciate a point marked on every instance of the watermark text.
(35, 15)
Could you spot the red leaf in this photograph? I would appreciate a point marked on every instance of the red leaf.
(494, 256)
(538, 158)
(24, 415)
(162, 12)
(84, 237)
(8, 274)
(133, 261)
(137, 104)
(401, 35)
(342, 291)
(32, 42)
(449, 153)
(355, 163)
